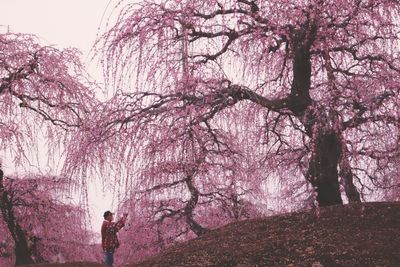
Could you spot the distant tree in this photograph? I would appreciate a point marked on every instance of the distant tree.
(158, 223)
(44, 96)
(44, 93)
(38, 225)
(303, 89)
(144, 235)
(187, 188)
(6, 248)
(17, 233)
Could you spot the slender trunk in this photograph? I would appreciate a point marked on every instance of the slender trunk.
(323, 172)
(236, 207)
(194, 197)
(22, 254)
(347, 180)
(160, 239)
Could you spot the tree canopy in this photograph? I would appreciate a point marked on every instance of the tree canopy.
(220, 104)
(44, 97)
(306, 91)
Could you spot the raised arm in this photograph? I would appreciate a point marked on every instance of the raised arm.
(121, 223)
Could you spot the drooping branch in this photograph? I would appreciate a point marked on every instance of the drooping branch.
(316, 67)
(361, 118)
(47, 81)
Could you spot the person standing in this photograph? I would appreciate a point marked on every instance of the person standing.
(109, 240)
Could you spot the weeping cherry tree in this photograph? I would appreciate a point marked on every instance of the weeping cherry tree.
(303, 90)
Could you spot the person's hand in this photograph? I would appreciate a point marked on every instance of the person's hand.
(124, 217)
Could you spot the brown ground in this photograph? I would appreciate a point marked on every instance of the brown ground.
(352, 235)
(71, 264)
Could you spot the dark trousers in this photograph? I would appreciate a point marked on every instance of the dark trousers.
(109, 257)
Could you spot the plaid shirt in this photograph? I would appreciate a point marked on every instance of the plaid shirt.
(109, 240)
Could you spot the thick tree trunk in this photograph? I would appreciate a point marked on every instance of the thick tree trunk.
(323, 172)
(21, 246)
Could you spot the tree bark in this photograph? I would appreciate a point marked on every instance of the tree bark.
(347, 181)
(194, 197)
(326, 150)
(22, 254)
(323, 172)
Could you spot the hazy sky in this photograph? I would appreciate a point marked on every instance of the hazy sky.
(63, 23)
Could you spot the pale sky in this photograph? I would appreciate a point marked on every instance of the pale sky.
(67, 23)
(63, 23)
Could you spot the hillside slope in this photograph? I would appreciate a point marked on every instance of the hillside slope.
(68, 264)
(352, 235)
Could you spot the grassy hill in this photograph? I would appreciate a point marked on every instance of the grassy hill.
(352, 235)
